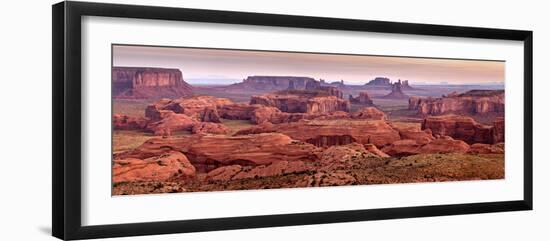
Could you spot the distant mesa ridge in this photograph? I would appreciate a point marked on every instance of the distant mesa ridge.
(273, 83)
(148, 82)
(385, 82)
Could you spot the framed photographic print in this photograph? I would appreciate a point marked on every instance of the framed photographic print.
(169, 120)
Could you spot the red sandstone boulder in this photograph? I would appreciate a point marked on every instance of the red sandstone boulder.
(371, 113)
(124, 122)
(412, 131)
(162, 168)
(403, 148)
(266, 114)
(459, 127)
(200, 108)
(210, 128)
(172, 123)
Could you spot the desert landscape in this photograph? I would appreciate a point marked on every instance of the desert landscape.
(296, 131)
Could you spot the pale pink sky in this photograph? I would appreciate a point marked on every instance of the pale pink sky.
(237, 64)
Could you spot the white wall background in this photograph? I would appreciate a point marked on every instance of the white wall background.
(25, 94)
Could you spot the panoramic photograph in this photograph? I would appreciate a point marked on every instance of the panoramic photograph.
(202, 119)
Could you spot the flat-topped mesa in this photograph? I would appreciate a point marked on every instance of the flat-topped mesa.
(362, 99)
(471, 102)
(304, 101)
(379, 81)
(145, 82)
(396, 92)
(274, 83)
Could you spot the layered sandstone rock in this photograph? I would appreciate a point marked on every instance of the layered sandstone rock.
(208, 152)
(445, 146)
(210, 128)
(161, 168)
(362, 99)
(301, 102)
(370, 113)
(200, 108)
(413, 131)
(124, 122)
(498, 130)
(459, 127)
(334, 132)
(143, 82)
(170, 124)
(471, 102)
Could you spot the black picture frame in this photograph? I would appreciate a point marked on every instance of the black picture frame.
(66, 158)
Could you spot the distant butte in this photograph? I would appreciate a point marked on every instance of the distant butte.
(396, 92)
(145, 82)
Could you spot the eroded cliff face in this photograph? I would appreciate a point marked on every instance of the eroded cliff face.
(142, 82)
(465, 128)
(471, 102)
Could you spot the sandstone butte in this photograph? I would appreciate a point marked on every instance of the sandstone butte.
(362, 99)
(396, 91)
(145, 82)
(465, 128)
(471, 102)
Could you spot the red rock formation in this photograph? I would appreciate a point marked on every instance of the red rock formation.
(404, 147)
(124, 122)
(210, 128)
(396, 92)
(140, 82)
(237, 111)
(369, 113)
(471, 102)
(334, 132)
(445, 146)
(171, 124)
(409, 131)
(301, 102)
(459, 127)
(207, 152)
(161, 168)
(498, 130)
(362, 99)
(374, 150)
(200, 108)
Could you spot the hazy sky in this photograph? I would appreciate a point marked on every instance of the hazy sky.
(235, 64)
